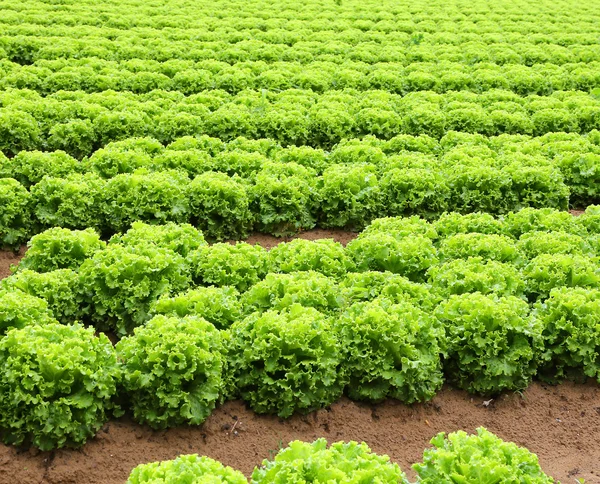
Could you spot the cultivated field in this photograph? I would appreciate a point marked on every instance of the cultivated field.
(227, 226)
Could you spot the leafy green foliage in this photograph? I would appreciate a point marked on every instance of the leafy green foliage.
(280, 291)
(59, 248)
(60, 289)
(58, 385)
(286, 362)
(474, 459)
(487, 246)
(219, 205)
(185, 469)
(18, 310)
(72, 202)
(180, 238)
(407, 256)
(350, 196)
(390, 350)
(548, 271)
(241, 265)
(29, 167)
(545, 220)
(153, 198)
(220, 306)
(283, 204)
(476, 274)
(371, 285)
(343, 462)
(172, 370)
(15, 217)
(570, 318)
(492, 343)
(450, 224)
(323, 255)
(120, 283)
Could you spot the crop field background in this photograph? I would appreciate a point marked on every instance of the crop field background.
(227, 226)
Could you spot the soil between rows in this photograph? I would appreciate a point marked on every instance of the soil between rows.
(561, 424)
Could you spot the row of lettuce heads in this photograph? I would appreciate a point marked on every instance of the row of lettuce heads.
(457, 457)
(79, 122)
(191, 77)
(229, 189)
(301, 40)
(484, 303)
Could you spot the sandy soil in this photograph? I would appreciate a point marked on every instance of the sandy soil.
(561, 424)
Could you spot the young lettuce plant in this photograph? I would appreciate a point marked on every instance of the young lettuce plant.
(57, 385)
(120, 284)
(280, 291)
(172, 370)
(241, 265)
(570, 319)
(324, 255)
(390, 350)
(476, 274)
(15, 217)
(492, 344)
(60, 289)
(343, 462)
(287, 361)
(59, 248)
(18, 310)
(186, 468)
(480, 458)
(220, 306)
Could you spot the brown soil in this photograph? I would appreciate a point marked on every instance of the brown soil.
(561, 424)
(268, 241)
(8, 258)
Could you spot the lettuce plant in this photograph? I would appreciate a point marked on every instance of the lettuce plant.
(371, 285)
(570, 319)
(350, 196)
(283, 205)
(476, 274)
(57, 385)
(172, 370)
(492, 344)
(120, 283)
(545, 220)
(533, 244)
(324, 255)
(407, 256)
(219, 206)
(71, 202)
(285, 361)
(280, 291)
(59, 248)
(548, 271)
(18, 309)
(220, 306)
(450, 224)
(240, 265)
(157, 198)
(180, 238)
(185, 469)
(29, 167)
(488, 246)
(390, 350)
(15, 217)
(401, 227)
(59, 288)
(342, 463)
(475, 459)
